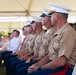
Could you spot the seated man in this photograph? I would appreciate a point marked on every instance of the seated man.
(13, 44)
(41, 50)
(37, 26)
(62, 51)
(28, 43)
(46, 39)
(20, 52)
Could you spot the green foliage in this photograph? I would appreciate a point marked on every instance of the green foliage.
(2, 33)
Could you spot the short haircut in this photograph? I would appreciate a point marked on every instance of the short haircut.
(16, 31)
(9, 34)
(23, 28)
(64, 15)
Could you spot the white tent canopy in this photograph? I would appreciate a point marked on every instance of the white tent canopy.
(13, 12)
(31, 7)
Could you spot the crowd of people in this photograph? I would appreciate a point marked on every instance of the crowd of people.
(51, 52)
(10, 43)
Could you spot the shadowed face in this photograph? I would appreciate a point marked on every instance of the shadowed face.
(45, 21)
(54, 18)
(29, 29)
(24, 30)
(11, 36)
(34, 26)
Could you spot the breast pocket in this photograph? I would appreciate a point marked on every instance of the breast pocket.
(46, 41)
(56, 43)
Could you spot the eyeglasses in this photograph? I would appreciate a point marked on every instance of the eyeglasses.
(45, 22)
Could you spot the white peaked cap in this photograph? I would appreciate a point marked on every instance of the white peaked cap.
(59, 8)
(36, 19)
(26, 23)
(45, 11)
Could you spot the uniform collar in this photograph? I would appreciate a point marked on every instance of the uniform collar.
(59, 31)
(51, 30)
(41, 33)
(48, 30)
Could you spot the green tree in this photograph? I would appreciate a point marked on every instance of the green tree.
(2, 33)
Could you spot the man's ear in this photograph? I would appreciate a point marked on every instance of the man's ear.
(57, 17)
(36, 25)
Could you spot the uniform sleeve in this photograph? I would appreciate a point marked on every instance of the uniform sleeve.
(66, 45)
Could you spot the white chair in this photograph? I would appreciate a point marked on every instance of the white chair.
(74, 71)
